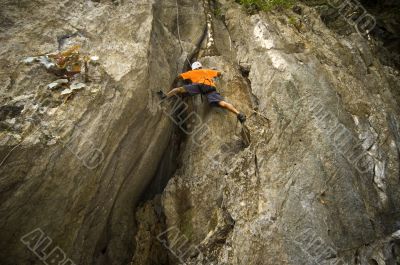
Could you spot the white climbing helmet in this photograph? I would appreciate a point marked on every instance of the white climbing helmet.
(196, 65)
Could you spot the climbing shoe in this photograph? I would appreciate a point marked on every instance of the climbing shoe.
(162, 95)
(241, 117)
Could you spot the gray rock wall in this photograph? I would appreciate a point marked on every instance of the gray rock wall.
(75, 167)
(317, 186)
(319, 183)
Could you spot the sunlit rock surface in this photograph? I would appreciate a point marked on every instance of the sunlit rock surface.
(319, 183)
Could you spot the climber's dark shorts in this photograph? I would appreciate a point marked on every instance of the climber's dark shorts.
(213, 97)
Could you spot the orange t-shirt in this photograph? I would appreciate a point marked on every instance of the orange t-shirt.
(202, 76)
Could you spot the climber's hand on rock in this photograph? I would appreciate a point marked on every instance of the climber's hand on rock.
(179, 77)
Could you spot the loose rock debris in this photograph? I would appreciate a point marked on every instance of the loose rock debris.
(66, 64)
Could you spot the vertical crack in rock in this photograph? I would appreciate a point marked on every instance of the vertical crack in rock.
(210, 48)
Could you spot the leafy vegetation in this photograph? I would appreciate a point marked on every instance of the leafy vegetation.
(217, 8)
(265, 5)
(292, 20)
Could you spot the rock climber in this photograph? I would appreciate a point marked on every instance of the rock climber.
(202, 83)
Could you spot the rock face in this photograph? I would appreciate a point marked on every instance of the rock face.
(319, 183)
(75, 167)
(382, 15)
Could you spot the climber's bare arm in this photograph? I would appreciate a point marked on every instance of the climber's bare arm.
(179, 77)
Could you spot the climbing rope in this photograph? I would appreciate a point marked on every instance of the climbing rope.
(179, 32)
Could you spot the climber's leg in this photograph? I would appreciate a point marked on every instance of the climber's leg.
(215, 99)
(192, 89)
(176, 91)
(228, 106)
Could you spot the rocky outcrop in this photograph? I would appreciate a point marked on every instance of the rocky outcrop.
(74, 167)
(319, 183)
(380, 16)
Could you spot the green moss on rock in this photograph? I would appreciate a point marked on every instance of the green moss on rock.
(265, 5)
